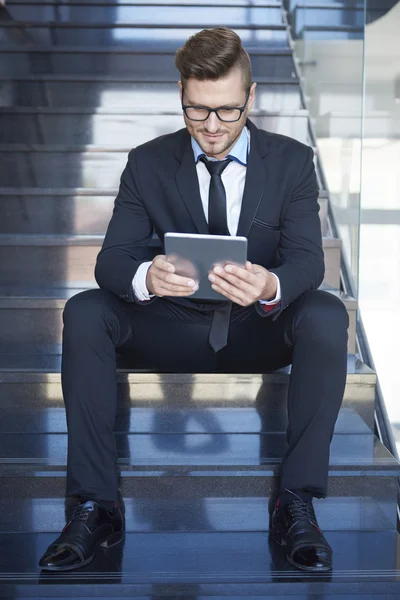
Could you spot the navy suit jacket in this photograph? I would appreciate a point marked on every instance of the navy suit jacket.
(159, 192)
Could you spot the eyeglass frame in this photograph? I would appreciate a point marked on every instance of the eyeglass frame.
(215, 110)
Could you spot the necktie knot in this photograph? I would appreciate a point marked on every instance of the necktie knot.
(216, 167)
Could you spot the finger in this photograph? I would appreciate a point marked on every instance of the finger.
(238, 299)
(160, 262)
(185, 289)
(239, 272)
(244, 294)
(173, 279)
(246, 287)
(161, 291)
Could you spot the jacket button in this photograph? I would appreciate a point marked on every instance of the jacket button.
(200, 305)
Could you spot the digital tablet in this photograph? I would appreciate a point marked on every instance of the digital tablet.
(195, 255)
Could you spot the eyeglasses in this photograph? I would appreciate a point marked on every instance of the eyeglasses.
(227, 114)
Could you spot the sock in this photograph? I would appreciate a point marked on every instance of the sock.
(106, 504)
(288, 496)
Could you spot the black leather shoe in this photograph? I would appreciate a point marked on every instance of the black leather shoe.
(295, 526)
(89, 526)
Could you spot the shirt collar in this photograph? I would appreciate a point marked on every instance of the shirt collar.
(238, 153)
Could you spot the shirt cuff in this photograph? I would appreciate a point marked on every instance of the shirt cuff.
(277, 298)
(139, 283)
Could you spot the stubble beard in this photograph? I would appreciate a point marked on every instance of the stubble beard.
(216, 148)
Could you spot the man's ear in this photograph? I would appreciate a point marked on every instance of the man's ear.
(180, 89)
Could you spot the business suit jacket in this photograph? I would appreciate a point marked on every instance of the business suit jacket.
(159, 191)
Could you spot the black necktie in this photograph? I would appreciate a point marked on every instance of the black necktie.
(218, 225)
(217, 219)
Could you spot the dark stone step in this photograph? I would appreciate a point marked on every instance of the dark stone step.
(69, 261)
(187, 565)
(137, 63)
(33, 382)
(169, 15)
(122, 128)
(165, 418)
(186, 453)
(174, 514)
(135, 34)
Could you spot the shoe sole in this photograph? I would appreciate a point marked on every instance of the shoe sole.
(109, 542)
(281, 542)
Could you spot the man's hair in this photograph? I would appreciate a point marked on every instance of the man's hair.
(212, 54)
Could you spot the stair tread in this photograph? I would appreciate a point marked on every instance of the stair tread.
(141, 111)
(206, 558)
(76, 78)
(49, 239)
(43, 48)
(57, 297)
(208, 514)
(160, 417)
(123, 25)
(46, 368)
(185, 453)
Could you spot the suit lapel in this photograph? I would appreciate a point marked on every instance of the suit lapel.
(256, 178)
(188, 185)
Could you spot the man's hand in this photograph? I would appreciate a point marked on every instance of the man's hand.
(244, 286)
(162, 281)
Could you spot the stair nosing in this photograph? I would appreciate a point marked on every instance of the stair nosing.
(45, 110)
(76, 78)
(62, 49)
(35, 302)
(63, 149)
(5, 191)
(123, 25)
(159, 4)
(65, 239)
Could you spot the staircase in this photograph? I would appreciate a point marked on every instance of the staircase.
(81, 83)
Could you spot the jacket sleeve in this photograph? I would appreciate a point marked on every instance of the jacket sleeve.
(301, 254)
(127, 239)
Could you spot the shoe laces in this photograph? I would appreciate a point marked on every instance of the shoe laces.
(81, 511)
(302, 510)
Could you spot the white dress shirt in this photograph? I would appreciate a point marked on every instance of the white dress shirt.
(233, 178)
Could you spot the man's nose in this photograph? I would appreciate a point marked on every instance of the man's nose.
(212, 123)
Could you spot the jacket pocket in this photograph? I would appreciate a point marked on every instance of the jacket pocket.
(266, 225)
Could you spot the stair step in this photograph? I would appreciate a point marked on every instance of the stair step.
(168, 15)
(79, 127)
(70, 211)
(327, 15)
(72, 3)
(71, 166)
(208, 514)
(161, 417)
(166, 467)
(32, 382)
(34, 324)
(124, 92)
(336, 33)
(138, 35)
(205, 565)
(68, 261)
(233, 453)
(142, 64)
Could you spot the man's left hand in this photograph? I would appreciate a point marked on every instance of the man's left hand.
(244, 286)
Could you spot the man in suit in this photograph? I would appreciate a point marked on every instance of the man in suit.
(218, 175)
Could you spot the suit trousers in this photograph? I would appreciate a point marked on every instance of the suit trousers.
(310, 334)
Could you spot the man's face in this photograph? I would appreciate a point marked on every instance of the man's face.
(216, 138)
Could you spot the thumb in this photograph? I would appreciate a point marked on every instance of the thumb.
(249, 266)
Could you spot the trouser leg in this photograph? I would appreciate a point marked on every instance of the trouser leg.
(311, 334)
(318, 333)
(95, 323)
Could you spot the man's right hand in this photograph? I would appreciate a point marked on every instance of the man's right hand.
(161, 280)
